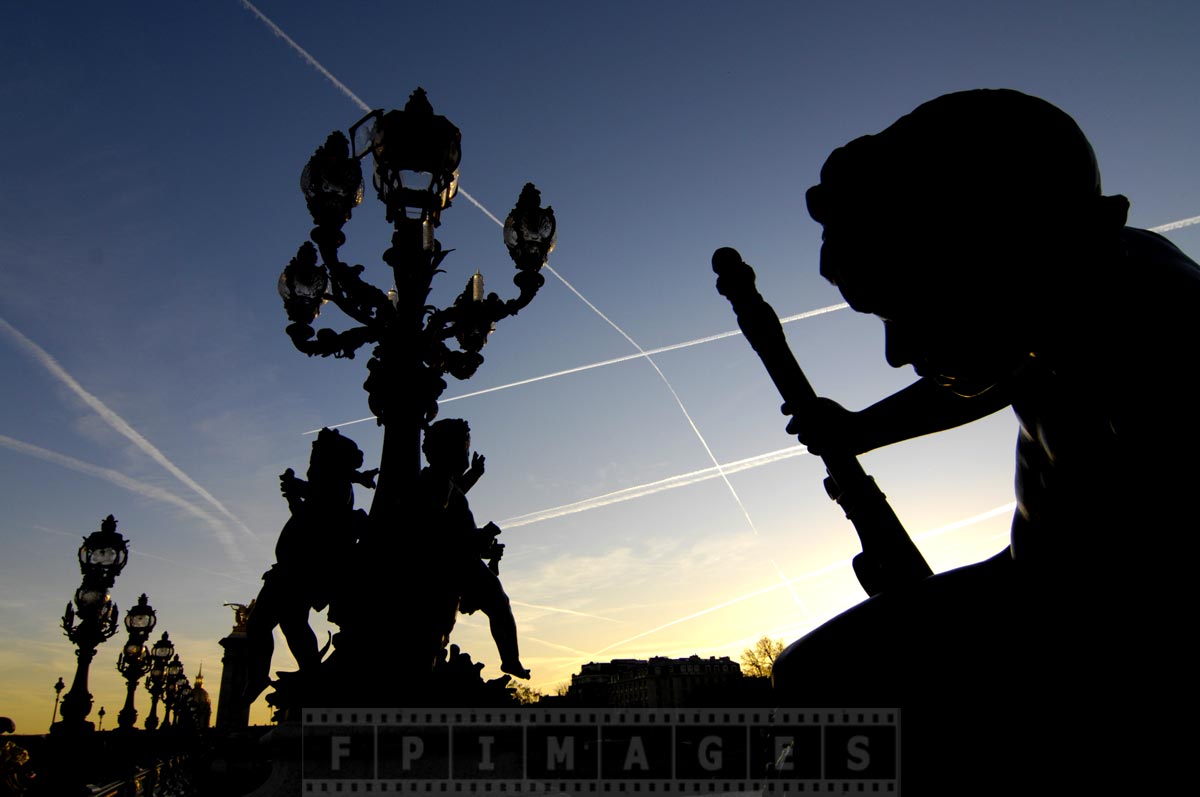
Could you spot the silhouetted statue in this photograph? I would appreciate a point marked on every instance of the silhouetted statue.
(456, 544)
(312, 555)
(242, 611)
(975, 228)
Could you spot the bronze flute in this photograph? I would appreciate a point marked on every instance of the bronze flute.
(889, 559)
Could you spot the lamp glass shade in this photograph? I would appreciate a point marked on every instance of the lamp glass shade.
(90, 599)
(141, 618)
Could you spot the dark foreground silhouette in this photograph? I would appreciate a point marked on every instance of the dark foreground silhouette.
(313, 553)
(975, 228)
(453, 538)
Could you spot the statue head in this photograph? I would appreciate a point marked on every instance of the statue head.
(447, 445)
(960, 221)
(333, 455)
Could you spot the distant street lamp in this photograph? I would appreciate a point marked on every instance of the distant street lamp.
(171, 683)
(101, 714)
(416, 156)
(160, 657)
(101, 558)
(134, 661)
(58, 687)
(183, 704)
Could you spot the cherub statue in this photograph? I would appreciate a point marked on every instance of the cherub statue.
(456, 539)
(311, 555)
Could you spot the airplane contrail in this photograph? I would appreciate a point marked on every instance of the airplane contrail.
(613, 361)
(133, 485)
(1004, 509)
(563, 611)
(116, 421)
(1176, 225)
(649, 488)
(339, 85)
(574, 651)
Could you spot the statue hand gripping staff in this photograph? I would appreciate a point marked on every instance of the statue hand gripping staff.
(889, 558)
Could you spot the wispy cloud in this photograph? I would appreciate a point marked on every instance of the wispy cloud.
(220, 529)
(43, 358)
(829, 568)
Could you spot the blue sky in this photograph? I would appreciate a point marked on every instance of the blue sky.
(151, 162)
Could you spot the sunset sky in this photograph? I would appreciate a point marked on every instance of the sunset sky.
(150, 168)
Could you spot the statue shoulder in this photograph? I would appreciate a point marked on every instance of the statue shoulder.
(1155, 258)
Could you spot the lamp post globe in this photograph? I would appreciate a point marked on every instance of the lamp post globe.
(104, 553)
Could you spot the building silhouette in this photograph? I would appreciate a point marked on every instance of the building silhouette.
(659, 682)
(201, 703)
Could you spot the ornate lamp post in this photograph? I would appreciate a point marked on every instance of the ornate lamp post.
(101, 558)
(134, 660)
(183, 704)
(171, 684)
(415, 155)
(160, 656)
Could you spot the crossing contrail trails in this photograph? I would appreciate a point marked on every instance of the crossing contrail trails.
(641, 352)
(737, 499)
(613, 361)
(133, 485)
(644, 355)
(114, 420)
(649, 488)
(675, 395)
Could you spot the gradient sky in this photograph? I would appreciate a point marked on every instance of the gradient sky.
(150, 169)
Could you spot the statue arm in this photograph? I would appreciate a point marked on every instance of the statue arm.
(925, 407)
(295, 490)
(472, 474)
(922, 408)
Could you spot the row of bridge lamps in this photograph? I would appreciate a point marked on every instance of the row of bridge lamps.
(91, 618)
